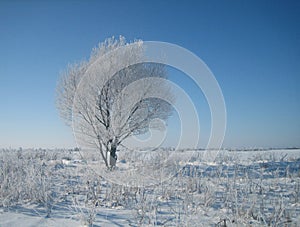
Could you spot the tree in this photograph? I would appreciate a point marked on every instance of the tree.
(106, 103)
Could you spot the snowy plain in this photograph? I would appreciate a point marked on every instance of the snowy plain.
(238, 188)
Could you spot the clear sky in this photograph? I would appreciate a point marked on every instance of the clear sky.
(252, 47)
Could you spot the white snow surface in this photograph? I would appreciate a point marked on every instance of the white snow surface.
(58, 188)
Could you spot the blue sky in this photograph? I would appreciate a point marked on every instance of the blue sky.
(252, 47)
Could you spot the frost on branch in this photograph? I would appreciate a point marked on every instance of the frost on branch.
(113, 96)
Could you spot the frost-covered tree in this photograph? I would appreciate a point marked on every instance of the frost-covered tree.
(106, 102)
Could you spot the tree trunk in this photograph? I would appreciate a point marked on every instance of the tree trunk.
(113, 156)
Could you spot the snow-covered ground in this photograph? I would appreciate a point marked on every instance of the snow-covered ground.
(59, 188)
